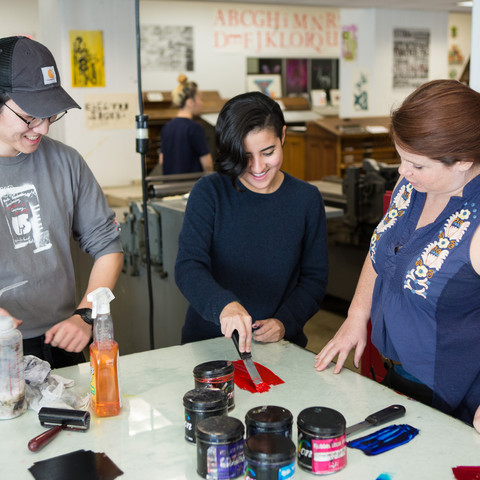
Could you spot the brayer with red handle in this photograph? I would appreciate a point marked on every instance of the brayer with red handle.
(58, 419)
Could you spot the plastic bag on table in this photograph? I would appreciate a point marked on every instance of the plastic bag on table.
(46, 389)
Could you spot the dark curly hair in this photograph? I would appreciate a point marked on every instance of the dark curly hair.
(240, 116)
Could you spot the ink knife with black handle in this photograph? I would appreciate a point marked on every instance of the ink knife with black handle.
(260, 385)
(378, 418)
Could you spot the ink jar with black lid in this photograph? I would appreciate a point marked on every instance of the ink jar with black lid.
(220, 447)
(269, 456)
(200, 404)
(322, 446)
(269, 419)
(216, 374)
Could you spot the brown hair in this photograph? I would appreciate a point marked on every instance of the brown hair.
(183, 91)
(440, 120)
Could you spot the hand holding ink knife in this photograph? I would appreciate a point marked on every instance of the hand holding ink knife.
(260, 385)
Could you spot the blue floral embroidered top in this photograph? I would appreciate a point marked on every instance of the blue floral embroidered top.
(426, 300)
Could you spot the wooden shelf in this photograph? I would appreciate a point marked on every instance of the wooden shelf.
(340, 143)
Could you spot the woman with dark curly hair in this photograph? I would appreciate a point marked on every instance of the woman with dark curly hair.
(253, 246)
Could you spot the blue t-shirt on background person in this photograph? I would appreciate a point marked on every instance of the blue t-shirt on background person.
(183, 143)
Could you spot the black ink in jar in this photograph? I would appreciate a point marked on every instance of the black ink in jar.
(216, 374)
(322, 446)
(269, 419)
(269, 456)
(200, 404)
(220, 448)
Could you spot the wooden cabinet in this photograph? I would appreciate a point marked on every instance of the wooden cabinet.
(328, 146)
(294, 154)
(333, 144)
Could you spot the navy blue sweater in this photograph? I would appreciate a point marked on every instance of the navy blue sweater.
(266, 251)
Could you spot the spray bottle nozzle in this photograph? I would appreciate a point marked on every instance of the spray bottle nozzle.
(100, 298)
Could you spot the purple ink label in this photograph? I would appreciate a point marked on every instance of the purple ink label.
(225, 461)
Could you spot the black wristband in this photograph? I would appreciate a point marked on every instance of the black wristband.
(86, 314)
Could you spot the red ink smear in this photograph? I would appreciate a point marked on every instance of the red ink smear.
(243, 380)
(466, 473)
(262, 387)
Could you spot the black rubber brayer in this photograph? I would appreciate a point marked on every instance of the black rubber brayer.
(57, 419)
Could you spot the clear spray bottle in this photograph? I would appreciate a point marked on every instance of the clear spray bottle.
(104, 384)
(12, 371)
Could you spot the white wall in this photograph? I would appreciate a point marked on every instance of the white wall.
(19, 18)
(224, 71)
(375, 53)
(475, 59)
(364, 20)
(110, 153)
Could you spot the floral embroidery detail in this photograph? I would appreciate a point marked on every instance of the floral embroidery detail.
(435, 253)
(396, 210)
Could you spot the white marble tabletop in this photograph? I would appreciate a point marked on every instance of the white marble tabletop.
(146, 440)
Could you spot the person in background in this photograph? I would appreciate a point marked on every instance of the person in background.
(47, 195)
(420, 283)
(184, 145)
(253, 246)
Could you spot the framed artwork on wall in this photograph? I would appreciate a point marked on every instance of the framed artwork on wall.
(271, 66)
(296, 78)
(318, 98)
(270, 85)
(299, 77)
(324, 73)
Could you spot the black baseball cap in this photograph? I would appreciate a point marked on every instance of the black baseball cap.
(29, 76)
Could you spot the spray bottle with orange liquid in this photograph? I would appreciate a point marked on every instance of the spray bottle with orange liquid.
(104, 385)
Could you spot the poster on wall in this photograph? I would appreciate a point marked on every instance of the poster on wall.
(361, 89)
(86, 52)
(167, 48)
(456, 56)
(324, 73)
(349, 42)
(270, 85)
(110, 111)
(411, 51)
(259, 31)
(270, 66)
(296, 77)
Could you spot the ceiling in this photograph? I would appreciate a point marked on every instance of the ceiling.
(432, 5)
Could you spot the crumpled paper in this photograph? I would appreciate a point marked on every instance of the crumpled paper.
(46, 389)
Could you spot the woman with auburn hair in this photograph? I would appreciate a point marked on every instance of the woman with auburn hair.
(420, 283)
(184, 145)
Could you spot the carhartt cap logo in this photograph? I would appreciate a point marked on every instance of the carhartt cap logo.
(49, 76)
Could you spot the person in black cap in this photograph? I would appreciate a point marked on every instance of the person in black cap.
(47, 195)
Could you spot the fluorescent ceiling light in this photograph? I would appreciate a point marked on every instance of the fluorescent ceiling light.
(465, 4)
